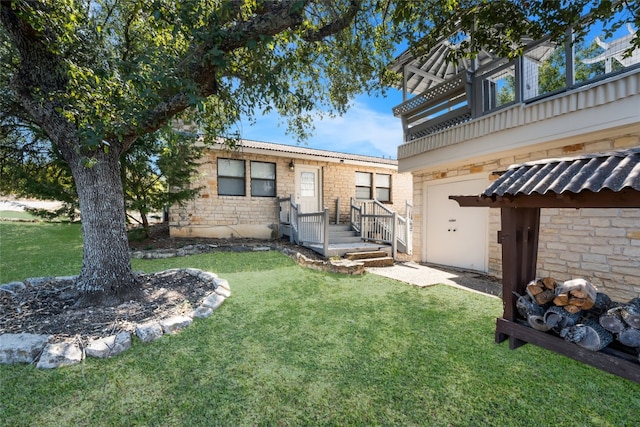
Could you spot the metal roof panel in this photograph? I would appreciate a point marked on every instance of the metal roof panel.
(615, 171)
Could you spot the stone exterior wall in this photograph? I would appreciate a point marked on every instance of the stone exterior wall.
(602, 245)
(211, 215)
(340, 183)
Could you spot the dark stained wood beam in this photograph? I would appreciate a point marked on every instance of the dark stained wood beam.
(610, 360)
(626, 198)
(519, 239)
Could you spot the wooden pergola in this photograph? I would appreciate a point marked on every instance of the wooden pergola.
(609, 180)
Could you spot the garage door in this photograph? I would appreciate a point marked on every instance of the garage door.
(455, 236)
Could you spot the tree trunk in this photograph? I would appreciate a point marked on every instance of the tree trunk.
(145, 223)
(106, 277)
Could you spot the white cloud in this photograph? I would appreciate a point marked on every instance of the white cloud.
(361, 130)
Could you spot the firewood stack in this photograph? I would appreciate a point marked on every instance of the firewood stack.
(577, 312)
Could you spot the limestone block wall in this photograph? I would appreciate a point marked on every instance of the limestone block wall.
(340, 182)
(602, 245)
(211, 215)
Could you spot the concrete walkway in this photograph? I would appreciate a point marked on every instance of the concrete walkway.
(423, 275)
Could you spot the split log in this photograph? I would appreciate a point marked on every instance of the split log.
(612, 321)
(630, 337)
(561, 300)
(558, 317)
(549, 283)
(576, 294)
(542, 290)
(572, 308)
(588, 334)
(630, 313)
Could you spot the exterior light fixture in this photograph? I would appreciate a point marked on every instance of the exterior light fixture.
(291, 165)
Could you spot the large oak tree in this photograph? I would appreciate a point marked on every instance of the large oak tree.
(95, 75)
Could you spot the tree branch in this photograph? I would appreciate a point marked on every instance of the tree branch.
(335, 26)
(271, 19)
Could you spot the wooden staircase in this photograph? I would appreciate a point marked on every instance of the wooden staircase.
(343, 233)
(343, 241)
(346, 242)
(371, 227)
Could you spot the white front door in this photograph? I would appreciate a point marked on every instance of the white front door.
(308, 188)
(455, 236)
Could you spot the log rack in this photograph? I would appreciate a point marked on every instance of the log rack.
(520, 226)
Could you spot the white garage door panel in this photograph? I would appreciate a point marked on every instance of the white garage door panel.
(456, 236)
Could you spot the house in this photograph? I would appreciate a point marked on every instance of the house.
(466, 122)
(245, 189)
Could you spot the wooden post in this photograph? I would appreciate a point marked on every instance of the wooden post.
(519, 239)
(325, 242)
(394, 235)
(363, 212)
(351, 211)
(294, 229)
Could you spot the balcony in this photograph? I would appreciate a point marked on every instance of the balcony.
(495, 94)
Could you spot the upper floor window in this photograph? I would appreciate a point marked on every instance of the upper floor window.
(363, 185)
(383, 187)
(231, 177)
(263, 179)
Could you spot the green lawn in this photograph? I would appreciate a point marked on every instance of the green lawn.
(298, 347)
(16, 215)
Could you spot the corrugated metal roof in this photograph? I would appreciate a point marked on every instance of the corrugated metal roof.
(613, 171)
(296, 149)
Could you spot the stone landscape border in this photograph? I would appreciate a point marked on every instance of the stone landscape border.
(334, 265)
(35, 348)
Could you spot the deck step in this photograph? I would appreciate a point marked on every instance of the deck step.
(364, 255)
(345, 238)
(346, 233)
(340, 227)
(378, 258)
(385, 261)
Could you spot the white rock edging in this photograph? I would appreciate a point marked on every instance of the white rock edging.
(109, 346)
(34, 348)
(21, 348)
(60, 354)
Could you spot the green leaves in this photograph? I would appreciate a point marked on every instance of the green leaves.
(158, 171)
(126, 67)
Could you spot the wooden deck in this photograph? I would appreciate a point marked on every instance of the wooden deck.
(339, 249)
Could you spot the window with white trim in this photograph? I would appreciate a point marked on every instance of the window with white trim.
(363, 185)
(383, 187)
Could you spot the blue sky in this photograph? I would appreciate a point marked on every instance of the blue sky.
(368, 128)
